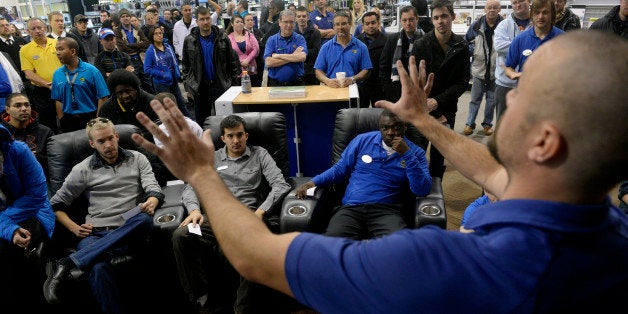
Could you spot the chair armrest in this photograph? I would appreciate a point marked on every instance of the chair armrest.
(169, 218)
(308, 214)
(430, 209)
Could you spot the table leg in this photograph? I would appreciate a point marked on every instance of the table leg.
(297, 140)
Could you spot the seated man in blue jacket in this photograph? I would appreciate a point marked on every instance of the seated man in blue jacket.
(379, 165)
(26, 220)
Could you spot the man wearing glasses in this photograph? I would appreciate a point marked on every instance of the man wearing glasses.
(122, 195)
(378, 167)
(78, 88)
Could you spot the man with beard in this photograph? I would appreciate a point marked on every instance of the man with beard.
(371, 90)
(313, 39)
(78, 88)
(378, 165)
(523, 46)
(116, 182)
(127, 99)
(24, 126)
(552, 243)
(343, 53)
(447, 56)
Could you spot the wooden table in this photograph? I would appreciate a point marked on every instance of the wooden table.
(233, 101)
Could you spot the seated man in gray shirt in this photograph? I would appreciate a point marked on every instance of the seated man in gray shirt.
(122, 195)
(202, 270)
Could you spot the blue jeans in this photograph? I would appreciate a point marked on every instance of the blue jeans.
(479, 88)
(94, 252)
(174, 90)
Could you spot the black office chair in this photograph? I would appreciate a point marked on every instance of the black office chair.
(420, 211)
(267, 130)
(68, 149)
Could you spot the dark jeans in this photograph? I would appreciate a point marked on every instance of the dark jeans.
(176, 91)
(500, 100)
(365, 221)
(203, 269)
(205, 102)
(45, 107)
(73, 122)
(22, 274)
(369, 94)
(95, 251)
(437, 160)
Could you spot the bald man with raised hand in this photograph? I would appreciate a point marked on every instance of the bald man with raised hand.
(553, 243)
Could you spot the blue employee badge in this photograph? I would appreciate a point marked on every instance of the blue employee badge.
(35, 57)
(403, 164)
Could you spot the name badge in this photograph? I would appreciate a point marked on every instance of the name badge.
(367, 159)
(318, 18)
(222, 168)
(527, 52)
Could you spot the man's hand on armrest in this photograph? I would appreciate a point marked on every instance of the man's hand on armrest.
(302, 190)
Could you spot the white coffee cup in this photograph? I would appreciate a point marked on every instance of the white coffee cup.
(340, 76)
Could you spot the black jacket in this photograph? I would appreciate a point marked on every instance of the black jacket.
(313, 39)
(35, 135)
(225, 60)
(392, 90)
(612, 23)
(375, 52)
(451, 70)
(112, 110)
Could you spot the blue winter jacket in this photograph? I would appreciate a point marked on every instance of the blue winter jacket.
(27, 184)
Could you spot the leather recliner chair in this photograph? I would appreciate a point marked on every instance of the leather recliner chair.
(65, 150)
(420, 211)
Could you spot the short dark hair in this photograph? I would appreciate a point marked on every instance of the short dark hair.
(370, 14)
(443, 4)
(343, 13)
(230, 122)
(292, 5)
(122, 77)
(105, 11)
(538, 4)
(202, 11)
(14, 95)
(301, 8)
(151, 32)
(278, 4)
(71, 42)
(421, 6)
(244, 4)
(163, 95)
(407, 9)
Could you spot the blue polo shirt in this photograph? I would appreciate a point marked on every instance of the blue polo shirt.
(524, 45)
(322, 21)
(277, 44)
(89, 86)
(351, 59)
(375, 177)
(525, 256)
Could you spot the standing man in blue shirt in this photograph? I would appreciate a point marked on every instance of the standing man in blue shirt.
(285, 53)
(323, 20)
(553, 243)
(209, 65)
(543, 17)
(378, 165)
(344, 53)
(78, 88)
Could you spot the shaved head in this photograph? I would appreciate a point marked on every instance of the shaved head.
(579, 88)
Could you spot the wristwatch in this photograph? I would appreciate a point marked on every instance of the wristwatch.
(352, 80)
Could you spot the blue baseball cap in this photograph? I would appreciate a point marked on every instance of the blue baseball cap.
(104, 32)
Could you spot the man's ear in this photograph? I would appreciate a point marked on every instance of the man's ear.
(547, 143)
(91, 144)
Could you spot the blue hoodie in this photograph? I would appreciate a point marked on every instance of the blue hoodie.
(27, 183)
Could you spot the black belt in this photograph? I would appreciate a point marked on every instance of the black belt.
(105, 228)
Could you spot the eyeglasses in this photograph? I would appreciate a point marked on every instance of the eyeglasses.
(96, 120)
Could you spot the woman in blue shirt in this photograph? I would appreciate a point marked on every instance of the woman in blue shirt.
(161, 64)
